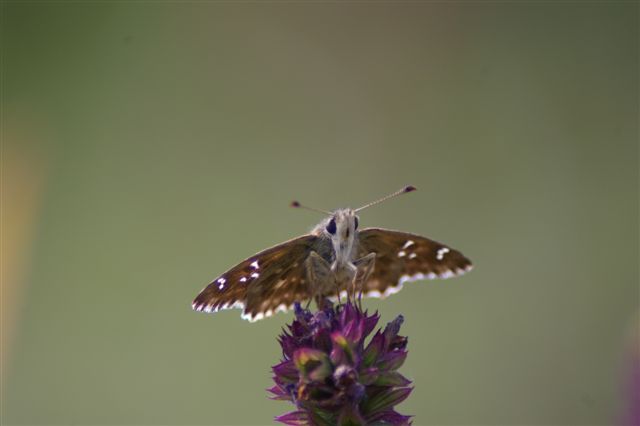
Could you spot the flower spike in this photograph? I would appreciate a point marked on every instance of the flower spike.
(333, 377)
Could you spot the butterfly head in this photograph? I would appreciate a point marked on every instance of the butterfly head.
(341, 227)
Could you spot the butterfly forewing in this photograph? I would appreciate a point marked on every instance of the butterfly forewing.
(402, 257)
(269, 281)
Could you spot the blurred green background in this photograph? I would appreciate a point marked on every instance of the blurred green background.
(148, 146)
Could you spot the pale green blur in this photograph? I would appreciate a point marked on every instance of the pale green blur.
(175, 135)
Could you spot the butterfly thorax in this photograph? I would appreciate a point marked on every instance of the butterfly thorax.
(341, 229)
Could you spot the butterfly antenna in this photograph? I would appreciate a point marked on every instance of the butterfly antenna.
(404, 190)
(297, 205)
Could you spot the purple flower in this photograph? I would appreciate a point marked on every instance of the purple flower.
(333, 377)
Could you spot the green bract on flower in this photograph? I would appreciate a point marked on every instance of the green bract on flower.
(333, 377)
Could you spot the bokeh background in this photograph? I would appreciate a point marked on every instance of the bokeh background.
(148, 146)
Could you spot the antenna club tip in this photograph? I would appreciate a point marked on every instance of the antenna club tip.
(409, 188)
(295, 204)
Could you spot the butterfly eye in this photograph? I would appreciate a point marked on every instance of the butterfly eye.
(356, 222)
(331, 227)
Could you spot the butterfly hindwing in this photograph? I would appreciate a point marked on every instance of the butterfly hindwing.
(401, 257)
(265, 283)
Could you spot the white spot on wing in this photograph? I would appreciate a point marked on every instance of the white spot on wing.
(270, 312)
(408, 244)
(255, 275)
(447, 274)
(388, 292)
(210, 309)
(255, 265)
(402, 253)
(418, 276)
(441, 252)
(413, 256)
(282, 308)
(243, 279)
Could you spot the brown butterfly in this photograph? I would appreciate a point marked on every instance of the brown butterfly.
(333, 260)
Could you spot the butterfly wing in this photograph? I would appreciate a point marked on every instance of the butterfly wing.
(268, 282)
(402, 257)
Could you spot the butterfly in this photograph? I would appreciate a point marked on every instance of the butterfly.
(335, 258)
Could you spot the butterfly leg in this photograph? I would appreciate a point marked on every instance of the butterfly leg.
(364, 267)
(320, 278)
